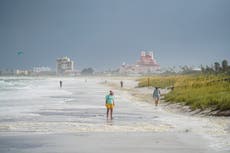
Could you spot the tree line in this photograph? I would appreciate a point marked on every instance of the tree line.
(87, 71)
(217, 68)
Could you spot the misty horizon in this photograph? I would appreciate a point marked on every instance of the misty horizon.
(176, 68)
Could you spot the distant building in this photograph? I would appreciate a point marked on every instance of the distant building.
(7, 72)
(147, 59)
(41, 69)
(64, 66)
(22, 72)
(146, 64)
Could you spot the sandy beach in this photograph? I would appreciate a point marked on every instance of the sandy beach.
(105, 142)
(44, 118)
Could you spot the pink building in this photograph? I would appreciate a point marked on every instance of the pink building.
(146, 64)
(147, 59)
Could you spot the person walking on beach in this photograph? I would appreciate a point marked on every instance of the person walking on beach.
(121, 84)
(156, 95)
(109, 103)
(60, 82)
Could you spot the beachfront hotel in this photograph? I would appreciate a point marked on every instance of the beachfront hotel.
(64, 66)
(146, 64)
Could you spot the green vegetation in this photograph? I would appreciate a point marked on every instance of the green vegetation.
(209, 88)
(198, 91)
(217, 68)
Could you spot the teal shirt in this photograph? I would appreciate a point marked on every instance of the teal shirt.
(109, 99)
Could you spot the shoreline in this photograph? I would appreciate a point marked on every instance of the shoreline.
(176, 107)
(141, 96)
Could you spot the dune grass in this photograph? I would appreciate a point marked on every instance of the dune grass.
(197, 91)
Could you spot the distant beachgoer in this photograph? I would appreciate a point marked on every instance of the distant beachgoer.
(60, 83)
(109, 103)
(156, 95)
(121, 84)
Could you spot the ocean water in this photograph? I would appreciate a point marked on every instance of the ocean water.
(40, 106)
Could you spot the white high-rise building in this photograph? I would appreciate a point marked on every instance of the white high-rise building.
(64, 66)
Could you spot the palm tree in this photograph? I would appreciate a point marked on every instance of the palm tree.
(225, 65)
(217, 67)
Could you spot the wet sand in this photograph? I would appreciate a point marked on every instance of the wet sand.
(105, 143)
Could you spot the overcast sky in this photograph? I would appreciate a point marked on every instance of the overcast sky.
(104, 33)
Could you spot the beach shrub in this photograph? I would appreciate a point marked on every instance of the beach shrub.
(197, 91)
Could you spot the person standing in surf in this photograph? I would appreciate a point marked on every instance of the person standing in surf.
(156, 95)
(121, 84)
(60, 82)
(109, 103)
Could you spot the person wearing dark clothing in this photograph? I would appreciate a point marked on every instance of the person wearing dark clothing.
(60, 84)
(121, 84)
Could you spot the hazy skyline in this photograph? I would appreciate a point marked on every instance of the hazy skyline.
(104, 33)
